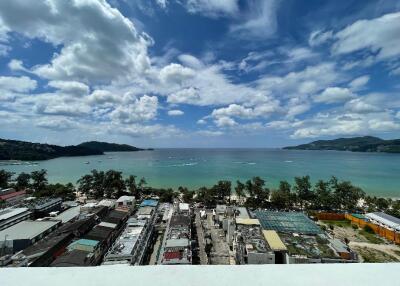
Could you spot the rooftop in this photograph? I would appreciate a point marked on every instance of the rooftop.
(69, 214)
(10, 212)
(183, 206)
(273, 240)
(27, 229)
(99, 233)
(247, 221)
(127, 241)
(145, 211)
(149, 203)
(183, 242)
(126, 198)
(385, 219)
(88, 242)
(73, 258)
(312, 246)
(12, 195)
(179, 220)
(288, 222)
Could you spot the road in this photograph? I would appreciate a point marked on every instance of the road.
(200, 239)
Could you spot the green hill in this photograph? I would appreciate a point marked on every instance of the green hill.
(108, 147)
(27, 151)
(355, 144)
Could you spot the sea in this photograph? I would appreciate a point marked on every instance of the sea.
(376, 173)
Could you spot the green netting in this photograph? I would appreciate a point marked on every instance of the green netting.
(289, 222)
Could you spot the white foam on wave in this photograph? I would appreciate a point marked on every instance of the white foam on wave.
(183, 164)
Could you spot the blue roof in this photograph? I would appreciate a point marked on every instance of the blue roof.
(149, 203)
(88, 242)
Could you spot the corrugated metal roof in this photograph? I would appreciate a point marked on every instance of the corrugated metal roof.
(27, 229)
(10, 212)
(69, 214)
(247, 221)
(385, 219)
(274, 241)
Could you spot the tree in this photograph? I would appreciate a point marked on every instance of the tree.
(167, 196)
(282, 198)
(345, 195)
(258, 194)
(23, 180)
(98, 183)
(239, 189)
(5, 178)
(39, 180)
(142, 183)
(114, 184)
(206, 196)
(222, 190)
(187, 196)
(132, 187)
(303, 189)
(323, 196)
(85, 184)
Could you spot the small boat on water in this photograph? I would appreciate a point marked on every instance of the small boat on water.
(87, 162)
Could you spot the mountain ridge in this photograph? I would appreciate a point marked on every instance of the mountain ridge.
(29, 151)
(353, 144)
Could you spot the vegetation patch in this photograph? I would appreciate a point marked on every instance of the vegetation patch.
(375, 256)
(371, 237)
(339, 223)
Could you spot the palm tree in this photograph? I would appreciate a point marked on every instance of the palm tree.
(239, 189)
(132, 187)
(39, 180)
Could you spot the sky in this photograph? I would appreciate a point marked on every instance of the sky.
(199, 73)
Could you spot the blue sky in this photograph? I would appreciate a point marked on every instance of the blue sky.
(199, 73)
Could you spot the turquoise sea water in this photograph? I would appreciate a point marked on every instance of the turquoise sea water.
(376, 173)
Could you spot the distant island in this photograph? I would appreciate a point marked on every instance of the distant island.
(354, 144)
(28, 151)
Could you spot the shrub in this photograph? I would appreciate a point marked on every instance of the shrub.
(354, 226)
(331, 226)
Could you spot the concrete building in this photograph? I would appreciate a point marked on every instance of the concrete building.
(26, 233)
(131, 246)
(125, 203)
(111, 204)
(304, 240)
(11, 216)
(43, 206)
(249, 243)
(184, 208)
(42, 253)
(177, 242)
(145, 212)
